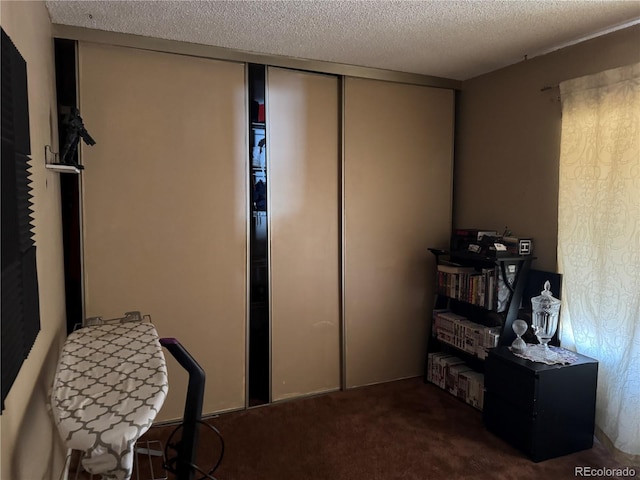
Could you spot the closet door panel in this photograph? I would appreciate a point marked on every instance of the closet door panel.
(302, 127)
(398, 188)
(165, 206)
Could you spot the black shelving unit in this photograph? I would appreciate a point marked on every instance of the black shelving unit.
(477, 300)
(510, 274)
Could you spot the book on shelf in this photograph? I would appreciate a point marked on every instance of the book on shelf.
(434, 367)
(445, 363)
(467, 284)
(471, 386)
(451, 374)
(490, 336)
(460, 332)
(445, 326)
(470, 336)
(453, 377)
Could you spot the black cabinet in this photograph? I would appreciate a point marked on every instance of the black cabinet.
(543, 410)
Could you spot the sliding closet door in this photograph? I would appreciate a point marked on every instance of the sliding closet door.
(397, 180)
(302, 129)
(165, 206)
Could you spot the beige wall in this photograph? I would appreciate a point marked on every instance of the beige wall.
(31, 448)
(508, 140)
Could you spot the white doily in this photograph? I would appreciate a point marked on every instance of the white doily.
(551, 356)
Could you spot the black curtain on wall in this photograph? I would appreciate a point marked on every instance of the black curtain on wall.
(20, 304)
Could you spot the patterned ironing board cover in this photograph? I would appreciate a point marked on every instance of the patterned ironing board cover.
(110, 383)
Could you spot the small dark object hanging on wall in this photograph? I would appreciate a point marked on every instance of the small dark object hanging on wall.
(74, 131)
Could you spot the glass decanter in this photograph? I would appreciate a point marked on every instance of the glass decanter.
(545, 315)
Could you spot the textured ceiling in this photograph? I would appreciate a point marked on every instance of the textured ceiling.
(446, 38)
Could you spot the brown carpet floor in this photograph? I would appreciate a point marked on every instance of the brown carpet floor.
(399, 430)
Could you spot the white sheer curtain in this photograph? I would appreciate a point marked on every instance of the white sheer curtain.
(599, 241)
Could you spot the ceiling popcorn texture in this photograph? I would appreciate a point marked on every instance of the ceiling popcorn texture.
(456, 39)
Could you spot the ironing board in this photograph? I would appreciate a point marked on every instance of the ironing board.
(110, 383)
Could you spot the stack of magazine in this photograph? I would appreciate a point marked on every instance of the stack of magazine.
(453, 375)
(465, 335)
